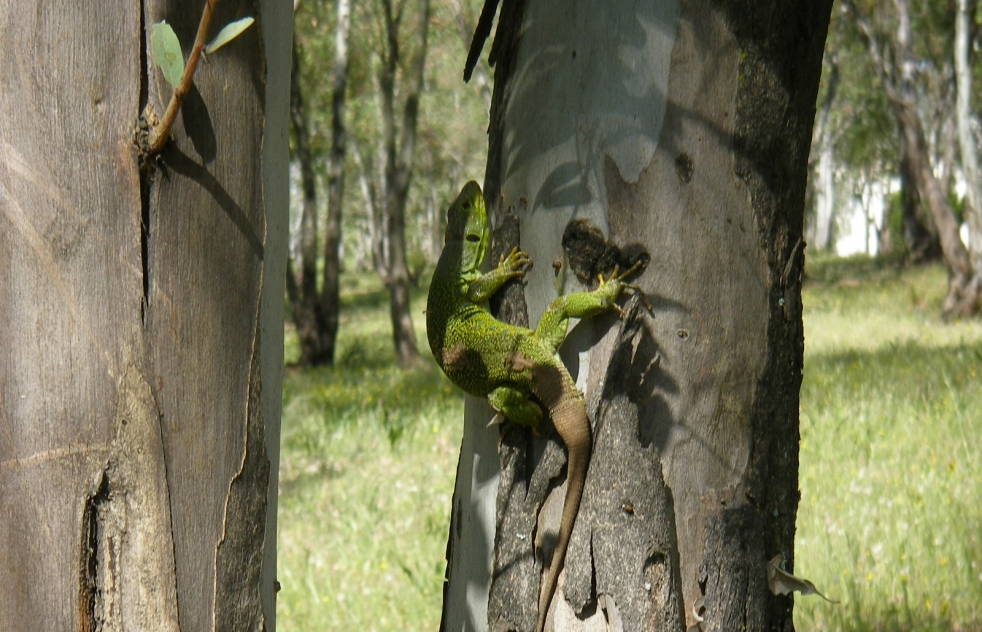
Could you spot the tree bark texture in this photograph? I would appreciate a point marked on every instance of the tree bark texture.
(683, 131)
(140, 364)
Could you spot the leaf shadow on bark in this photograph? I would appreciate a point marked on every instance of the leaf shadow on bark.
(184, 165)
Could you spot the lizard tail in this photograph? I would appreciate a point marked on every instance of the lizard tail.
(569, 416)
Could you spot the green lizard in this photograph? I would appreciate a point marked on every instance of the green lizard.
(515, 368)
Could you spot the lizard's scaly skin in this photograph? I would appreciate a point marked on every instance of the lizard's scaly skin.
(513, 367)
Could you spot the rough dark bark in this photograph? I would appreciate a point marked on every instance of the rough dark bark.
(693, 483)
(137, 443)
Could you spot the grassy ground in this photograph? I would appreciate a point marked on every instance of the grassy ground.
(889, 522)
(368, 459)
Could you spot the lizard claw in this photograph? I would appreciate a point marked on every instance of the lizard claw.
(617, 278)
(516, 263)
(497, 419)
(644, 297)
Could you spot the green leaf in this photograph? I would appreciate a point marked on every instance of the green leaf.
(227, 34)
(167, 53)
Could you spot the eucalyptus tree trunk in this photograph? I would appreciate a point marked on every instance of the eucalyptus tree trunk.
(302, 284)
(140, 321)
(315, 311)
(399, 144)
(331, 290)
(892, 59)
(681, 130)
(966, 139)
(821, 231)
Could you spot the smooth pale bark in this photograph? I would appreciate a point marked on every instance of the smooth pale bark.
(140, 325)
(821, 230)
(966, 139)
(824, 195)
(680, 130)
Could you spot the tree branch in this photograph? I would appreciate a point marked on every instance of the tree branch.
(161, 132)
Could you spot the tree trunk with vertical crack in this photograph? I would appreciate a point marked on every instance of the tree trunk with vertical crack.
(682, 130)
(140, 322)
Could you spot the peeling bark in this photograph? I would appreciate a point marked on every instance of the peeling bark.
(700, 161)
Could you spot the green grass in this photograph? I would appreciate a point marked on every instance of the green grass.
(366, 477)
(890, 520)
(891, 480)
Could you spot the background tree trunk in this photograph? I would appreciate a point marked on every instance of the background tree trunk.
(681, 130)
(141, 363)
(966, 139)
(892, 58)
(315, 310)
(330, 297)
(305, 305)
(398, 169)
(920, 235)
(821, 238)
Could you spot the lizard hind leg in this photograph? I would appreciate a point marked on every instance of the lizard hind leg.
(513, 402)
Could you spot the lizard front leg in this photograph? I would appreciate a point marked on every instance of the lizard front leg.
(516, 264)
(551, 330)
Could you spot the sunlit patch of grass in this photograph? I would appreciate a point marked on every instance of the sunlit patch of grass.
(891, 479)
(890, 520)
(366, 475)
(859, 303)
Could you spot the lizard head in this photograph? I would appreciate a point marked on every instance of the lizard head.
(467, 224)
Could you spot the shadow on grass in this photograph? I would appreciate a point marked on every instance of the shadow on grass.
(827, 269)
(893, 618)
(365, 291)
(907, 369)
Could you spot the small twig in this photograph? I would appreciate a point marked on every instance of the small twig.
(161, 132)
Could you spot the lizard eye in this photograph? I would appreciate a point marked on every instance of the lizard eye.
(472, 238)
(465, 205)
